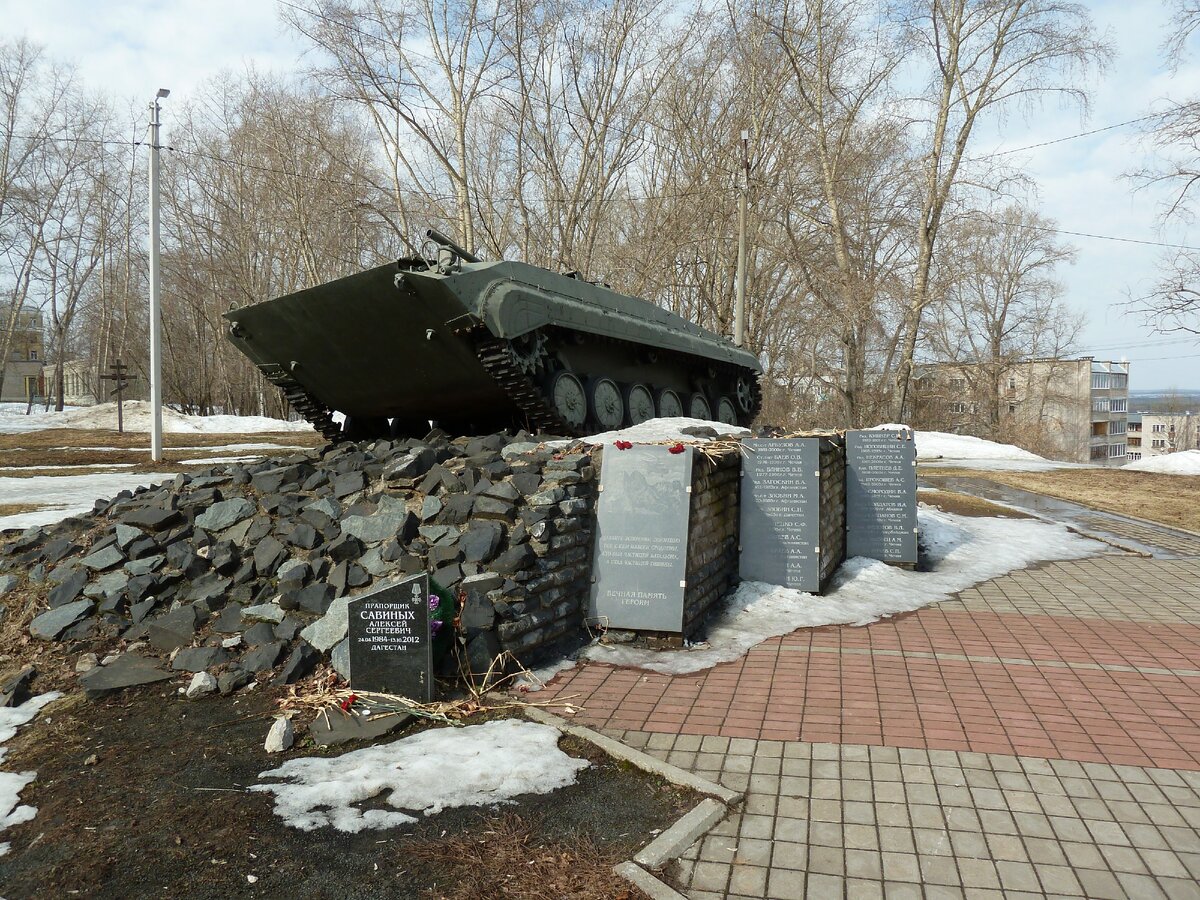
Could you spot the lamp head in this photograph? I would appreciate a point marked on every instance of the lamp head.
(163, 92)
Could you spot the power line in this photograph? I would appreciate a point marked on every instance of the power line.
(1077, 135)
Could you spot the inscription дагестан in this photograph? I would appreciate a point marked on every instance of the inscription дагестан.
(641, 539)
(390, 649)
(881, 495)
(780, 514)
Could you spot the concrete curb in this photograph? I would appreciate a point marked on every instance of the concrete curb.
(644, 761)
(672, 842)
(676, 839)
(640, 878)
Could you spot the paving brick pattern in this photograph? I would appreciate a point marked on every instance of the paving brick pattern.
(823, 820)
(1038, 736)
(992, 672)
(1114, 588)
(1175, 541)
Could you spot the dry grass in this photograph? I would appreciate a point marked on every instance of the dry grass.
(966, 505)
(505, 859)
(15, 509)
(1172, 500)
(40, 451)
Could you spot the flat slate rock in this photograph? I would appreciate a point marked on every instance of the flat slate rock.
(337, 728)
(198, 659)
(225, 514)
(50, 624)
(127, 670)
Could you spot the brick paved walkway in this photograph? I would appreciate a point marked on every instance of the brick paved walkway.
(1039, 736)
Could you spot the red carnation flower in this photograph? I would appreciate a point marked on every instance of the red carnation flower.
(623, 445)
(677, 448)
(349, 702)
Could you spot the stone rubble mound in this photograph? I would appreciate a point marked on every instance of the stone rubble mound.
(243, 570)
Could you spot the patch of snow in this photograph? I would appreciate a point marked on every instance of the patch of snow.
(535, 679)
(941, 444)
(137, 418)
(12, 783)
(216, 460)
(479, 765)
(59, 496)
(67, 468)
(1183, 462)
(659, 430)
(961, 550)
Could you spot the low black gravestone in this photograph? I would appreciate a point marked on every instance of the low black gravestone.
(640, 569)
(781, 512)
(390, 649)
(881, 495)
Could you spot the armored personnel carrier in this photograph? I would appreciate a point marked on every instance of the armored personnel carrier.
(478, 346)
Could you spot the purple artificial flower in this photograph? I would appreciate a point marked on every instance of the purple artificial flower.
(434, 627)
(434, 602)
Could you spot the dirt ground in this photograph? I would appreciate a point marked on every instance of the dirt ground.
(37, 451)
(1172, 500)
(966, 505)
(143, 794)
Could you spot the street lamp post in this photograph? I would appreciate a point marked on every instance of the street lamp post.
(155, 313)
(739, 307)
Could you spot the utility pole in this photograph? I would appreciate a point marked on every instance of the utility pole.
(121, 380)
(155, 313)
(739, 307)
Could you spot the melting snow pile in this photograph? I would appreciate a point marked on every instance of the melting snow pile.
(661, 430)
(479, 765)
(1185, 462)
(12, 783)
(962, 551)
(943, 445)
(137, 418)
(59, 496)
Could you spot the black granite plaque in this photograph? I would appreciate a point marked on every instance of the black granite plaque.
(390, 649)
(642, 516)
(881, 495)
(781, 512)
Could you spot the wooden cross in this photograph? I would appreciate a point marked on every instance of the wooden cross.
(122, 382)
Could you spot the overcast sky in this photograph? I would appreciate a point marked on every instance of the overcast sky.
(132, 47)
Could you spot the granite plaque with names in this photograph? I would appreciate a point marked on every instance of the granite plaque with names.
(881, 495)
(640, 570)
(390, 649)
(781, 512)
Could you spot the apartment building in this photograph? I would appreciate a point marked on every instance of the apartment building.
(1157, 434)
(1074, 410)
(23, 368)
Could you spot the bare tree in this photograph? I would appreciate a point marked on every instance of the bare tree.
(1003, 305)
(987, 58)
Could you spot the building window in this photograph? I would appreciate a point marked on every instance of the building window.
(33, 354)
(1117, 427)
(1119, 406)
(1115, 450)
(1134, 457)
(1135, 426)
(1012, 407)
(1158, 428)
(1100, 381)
(958, 408)
(1119, 380)
(1099, 452)
(1100, 404)
(1135, 442)
(958, 384)
(1158, 443)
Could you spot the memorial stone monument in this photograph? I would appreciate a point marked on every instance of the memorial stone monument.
(640, 569)
(780, 515)
(390, 647)
(881, 495)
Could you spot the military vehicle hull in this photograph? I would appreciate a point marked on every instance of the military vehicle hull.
(479, 346)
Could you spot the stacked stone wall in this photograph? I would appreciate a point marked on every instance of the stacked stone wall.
(832, 506)
(712, 564)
